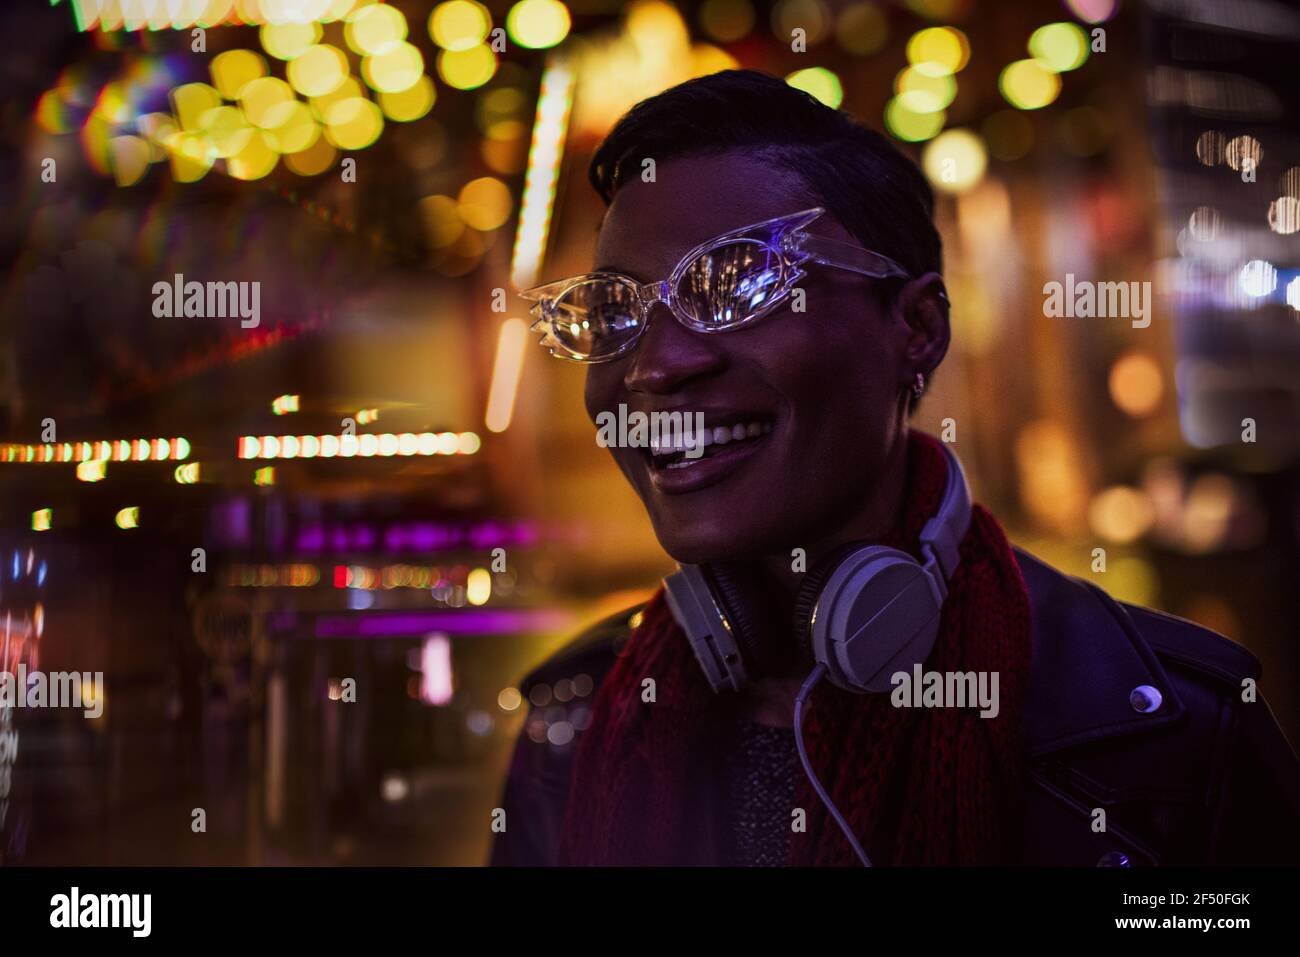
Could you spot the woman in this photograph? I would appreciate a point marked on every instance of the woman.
(773, 279)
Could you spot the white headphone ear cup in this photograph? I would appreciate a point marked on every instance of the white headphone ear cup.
(878, 614)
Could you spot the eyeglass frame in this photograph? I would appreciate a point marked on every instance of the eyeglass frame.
(787, 237)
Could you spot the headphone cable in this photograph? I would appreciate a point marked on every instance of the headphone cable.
(812, 681)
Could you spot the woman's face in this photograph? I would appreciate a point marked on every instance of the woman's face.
(824, 388)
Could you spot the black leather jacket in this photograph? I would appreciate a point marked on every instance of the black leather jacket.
(1206, 778)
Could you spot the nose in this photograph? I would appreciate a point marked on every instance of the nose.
(669, 355)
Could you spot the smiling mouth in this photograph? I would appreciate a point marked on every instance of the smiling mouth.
(719, 438)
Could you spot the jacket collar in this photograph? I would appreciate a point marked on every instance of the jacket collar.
(1088, 659)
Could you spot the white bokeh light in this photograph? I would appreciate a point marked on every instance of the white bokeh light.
(1293, 293)
(1257, 278)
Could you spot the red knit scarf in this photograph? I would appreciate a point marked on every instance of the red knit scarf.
(917, 785)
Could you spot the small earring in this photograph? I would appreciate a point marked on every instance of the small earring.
(918, 386)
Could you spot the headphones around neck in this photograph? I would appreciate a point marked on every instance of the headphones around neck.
(863, 613)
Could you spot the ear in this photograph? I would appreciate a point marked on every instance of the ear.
(923, 305)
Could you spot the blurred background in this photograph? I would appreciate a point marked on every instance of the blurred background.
(313, 558)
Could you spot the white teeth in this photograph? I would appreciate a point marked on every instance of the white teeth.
(697, 442)
(687, 442)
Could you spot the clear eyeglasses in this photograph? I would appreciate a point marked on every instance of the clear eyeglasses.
(723, 284)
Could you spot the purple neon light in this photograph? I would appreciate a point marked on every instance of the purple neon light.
(419, 536)
(497, 621)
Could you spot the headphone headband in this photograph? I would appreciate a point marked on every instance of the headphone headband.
(942, 535)
(707, 625)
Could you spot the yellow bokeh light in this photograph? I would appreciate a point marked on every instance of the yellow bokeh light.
(955, 160)
(348, 89)
(478, 586)
(862, 28)
(94, 141)
(52, 114)
(938, 51)
(706, 59)
(232, 69)
(1121, 514)
(353, 124)
(254, 161)
(442, 223)
(923, 92)
(258, 96)
(227, 130)
(819, 83)
(191, 156)
(655, 27)
(1207, 515)
(1028, 85)
(507, 156)
(812, 17)
(319, 70)
(508, 103)
(1136, 384)
(1059, 47)
(339, 9)
(112, 104)
(314, 160)
(128, 157)
(509, 699)
(290, 127)
(1051, 473)
(484, 203)
(95, 133)
(191, 100)
(459, 25)
(400, 68)
(375, 29)
(285, 41)
(409, 104)
(725, 20)
(540, 24)
(467, 69)
(156, 128)
(909, 125)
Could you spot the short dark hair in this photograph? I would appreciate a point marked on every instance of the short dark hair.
(875, 191)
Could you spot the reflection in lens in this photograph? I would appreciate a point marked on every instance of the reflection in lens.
(728, 284)
(596, 318)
